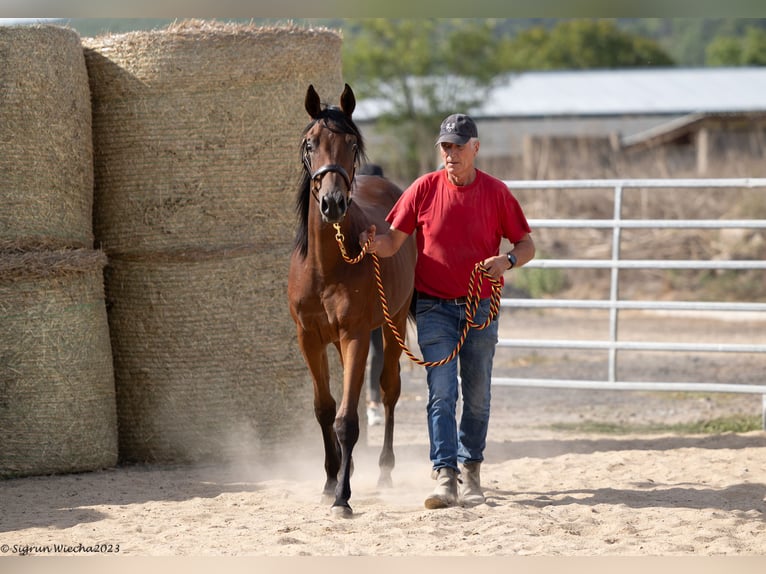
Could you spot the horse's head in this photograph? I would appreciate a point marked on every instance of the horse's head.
(331, 148)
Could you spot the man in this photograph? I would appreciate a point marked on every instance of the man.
(460, 214)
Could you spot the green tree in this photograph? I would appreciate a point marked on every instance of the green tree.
(724, 51)
(754, 47)
(748, 49)
(582, 44)
(422, 70)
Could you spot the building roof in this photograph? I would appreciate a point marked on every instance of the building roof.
(635, 91)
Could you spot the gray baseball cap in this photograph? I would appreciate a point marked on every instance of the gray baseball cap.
(457, 129)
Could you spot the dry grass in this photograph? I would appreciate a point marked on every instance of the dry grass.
(57, 399)
(206, 360)
(197, 130)
(46, 164)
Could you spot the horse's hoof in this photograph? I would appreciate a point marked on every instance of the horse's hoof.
(385, 481)
(342, 511)
(328, 498)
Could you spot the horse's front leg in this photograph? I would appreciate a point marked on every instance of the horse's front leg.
(315, 355)
(347, 420)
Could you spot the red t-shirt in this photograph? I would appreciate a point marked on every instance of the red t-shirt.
(457, 227)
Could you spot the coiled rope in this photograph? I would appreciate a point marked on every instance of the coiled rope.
(478, 275)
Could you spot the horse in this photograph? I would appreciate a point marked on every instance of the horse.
(334, 301)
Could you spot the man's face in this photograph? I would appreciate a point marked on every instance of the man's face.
(458, 160)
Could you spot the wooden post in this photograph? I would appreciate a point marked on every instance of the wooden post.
(703, 145)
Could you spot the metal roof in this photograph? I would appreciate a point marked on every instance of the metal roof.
(635, 91)
(620, 92)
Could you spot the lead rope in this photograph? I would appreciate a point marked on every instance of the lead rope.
(472, 300)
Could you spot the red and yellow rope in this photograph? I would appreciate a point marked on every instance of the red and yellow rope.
(478, 275)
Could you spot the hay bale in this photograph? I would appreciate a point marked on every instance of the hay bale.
(196, 139)
(206, 361)
(196, 132)
(57, 396)
(46, 165)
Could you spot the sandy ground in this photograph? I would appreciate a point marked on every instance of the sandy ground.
(549, 492)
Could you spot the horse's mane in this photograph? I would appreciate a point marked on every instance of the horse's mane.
(335, 120)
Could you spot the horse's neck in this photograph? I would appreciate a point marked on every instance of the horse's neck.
(323, 249)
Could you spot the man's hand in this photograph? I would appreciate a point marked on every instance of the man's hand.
(496, 266)
(368, 234)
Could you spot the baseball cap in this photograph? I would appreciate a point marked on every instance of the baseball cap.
(457, 129)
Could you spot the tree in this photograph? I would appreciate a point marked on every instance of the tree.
(582, 44)
(746, 50)
(420, 71)
(754, 47)
(724, 51)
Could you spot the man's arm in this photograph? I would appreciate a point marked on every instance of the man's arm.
(384, 245)
(523, 250)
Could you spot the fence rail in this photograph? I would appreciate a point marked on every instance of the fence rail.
(614, 304)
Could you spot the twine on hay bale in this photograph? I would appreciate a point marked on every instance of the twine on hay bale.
(196, 142)
(196, 131)
(57, 396)
(205, 357)
(46, 165)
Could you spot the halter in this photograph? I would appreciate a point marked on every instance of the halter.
(316, 176)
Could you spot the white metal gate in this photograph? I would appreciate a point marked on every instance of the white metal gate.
(614, 304)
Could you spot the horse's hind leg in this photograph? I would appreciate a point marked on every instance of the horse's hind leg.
(390, 389)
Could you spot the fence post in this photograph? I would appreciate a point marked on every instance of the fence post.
(614, 287)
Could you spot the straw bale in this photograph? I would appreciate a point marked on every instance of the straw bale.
(196, 142)
(196, 132)
(46, 165)
(205, 354)
(57, 395)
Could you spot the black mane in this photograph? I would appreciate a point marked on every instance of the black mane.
(335, 120)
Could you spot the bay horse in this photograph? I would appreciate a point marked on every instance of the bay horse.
(333, 301)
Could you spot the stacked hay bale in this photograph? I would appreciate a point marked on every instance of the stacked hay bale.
(196, 134)
(46, 183)
(57, 396)
(57, 400)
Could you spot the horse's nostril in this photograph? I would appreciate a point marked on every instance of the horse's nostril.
(329, 207)
(333, 206)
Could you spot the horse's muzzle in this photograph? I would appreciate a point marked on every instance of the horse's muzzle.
(333, 206)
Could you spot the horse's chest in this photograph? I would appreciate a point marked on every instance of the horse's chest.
(322, 311)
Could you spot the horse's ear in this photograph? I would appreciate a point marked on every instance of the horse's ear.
(312, 103)
(347, 101)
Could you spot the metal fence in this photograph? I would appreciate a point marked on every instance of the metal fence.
(614, 304)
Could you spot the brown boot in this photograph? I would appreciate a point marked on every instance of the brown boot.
(470, 484)
(445, 493)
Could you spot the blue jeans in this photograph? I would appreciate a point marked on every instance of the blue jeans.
(440, 324)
